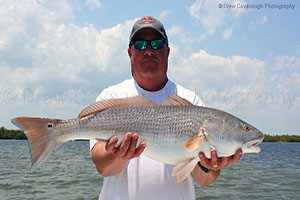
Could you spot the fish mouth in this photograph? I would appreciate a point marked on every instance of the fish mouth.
(254, 142)
(252, 146)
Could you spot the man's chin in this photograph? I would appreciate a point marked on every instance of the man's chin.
(149, 67)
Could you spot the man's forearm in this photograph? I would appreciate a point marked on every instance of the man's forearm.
(204, 179)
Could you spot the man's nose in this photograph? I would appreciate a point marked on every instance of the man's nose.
(149, 51)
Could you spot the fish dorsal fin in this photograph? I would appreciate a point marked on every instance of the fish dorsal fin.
(175, 100)
(112, 103)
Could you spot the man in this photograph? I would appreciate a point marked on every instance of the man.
(128, 174)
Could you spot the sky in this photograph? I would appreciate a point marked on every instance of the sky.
(242, 57)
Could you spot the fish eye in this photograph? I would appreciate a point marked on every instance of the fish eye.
(246, 128)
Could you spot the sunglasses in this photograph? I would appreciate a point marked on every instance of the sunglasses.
(143, 44)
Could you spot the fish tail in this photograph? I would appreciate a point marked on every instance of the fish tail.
(38, 132)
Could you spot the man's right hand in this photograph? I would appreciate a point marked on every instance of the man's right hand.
(127, 149)
(110, 159)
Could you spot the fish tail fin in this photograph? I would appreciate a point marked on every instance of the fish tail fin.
(38, 132)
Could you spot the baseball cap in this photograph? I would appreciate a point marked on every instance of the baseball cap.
(148, 23)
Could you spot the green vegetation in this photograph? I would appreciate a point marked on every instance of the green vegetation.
(282, 138)
(19, 135)
(12, 134)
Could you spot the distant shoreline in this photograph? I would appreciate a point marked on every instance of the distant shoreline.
(6, 134)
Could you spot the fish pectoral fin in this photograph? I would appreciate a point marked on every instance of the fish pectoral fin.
(180, 166)
(175, 100)
(101, 105)
(194, 143)
(183, 169)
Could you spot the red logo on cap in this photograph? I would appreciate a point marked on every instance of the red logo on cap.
(147, 20)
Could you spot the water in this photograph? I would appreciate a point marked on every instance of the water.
(70, 174)
(274, 173)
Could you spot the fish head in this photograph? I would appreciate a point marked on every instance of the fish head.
(230, 133)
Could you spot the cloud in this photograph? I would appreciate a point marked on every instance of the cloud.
(250, 88)
(175, 33)
(47, 61)
(208, 14)
(286, 73)
(164, 14)
(227, 33)
(55, 11)
(93, 4)
(211, 16)
(178, 36)
(238, 81)
(263, 20)
(63, 48)
(290, 62)
(204, 70)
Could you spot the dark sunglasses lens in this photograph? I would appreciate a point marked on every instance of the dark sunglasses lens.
(157, 44)
(140, 44)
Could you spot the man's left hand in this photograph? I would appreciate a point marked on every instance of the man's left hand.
(216, 163)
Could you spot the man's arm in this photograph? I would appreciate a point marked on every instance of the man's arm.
(215, 164)
(111, 160)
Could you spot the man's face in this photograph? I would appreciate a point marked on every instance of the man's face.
(149, 64)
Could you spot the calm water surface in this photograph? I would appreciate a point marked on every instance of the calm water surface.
(70, 174)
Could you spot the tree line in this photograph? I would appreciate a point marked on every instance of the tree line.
(12, 134)
(19, 135)
(282, 138)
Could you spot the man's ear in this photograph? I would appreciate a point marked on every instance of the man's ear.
(168, 51)
(129, 52)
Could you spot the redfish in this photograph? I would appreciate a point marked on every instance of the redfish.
(175, 130)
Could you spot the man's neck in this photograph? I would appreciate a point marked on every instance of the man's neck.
(152, 86)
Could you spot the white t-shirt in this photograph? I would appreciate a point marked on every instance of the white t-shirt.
(144, 178)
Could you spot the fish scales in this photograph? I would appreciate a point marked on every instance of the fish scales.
(153, 123)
